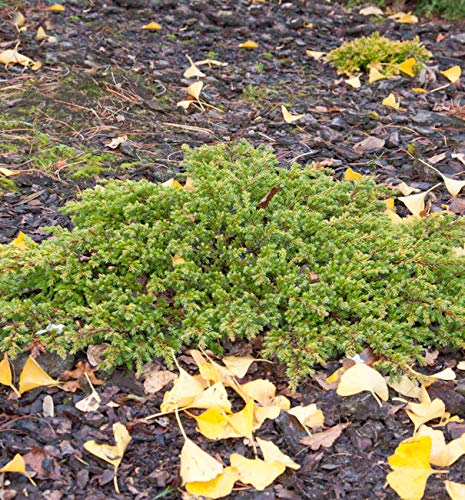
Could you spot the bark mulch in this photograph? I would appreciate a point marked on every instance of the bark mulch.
(104, 78)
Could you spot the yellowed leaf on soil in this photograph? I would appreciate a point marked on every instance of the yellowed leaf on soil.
(325, 438)
(408, 66)
(446, 374)
(249, 44)
(404, 18)
(23, 241)
(111, 454)
(375, 75)
(213, 424)
(452, 74)
(195, 89)
(17, 465)
(350, 175)
(289, 117)
(89, 403)
(389, 202)
(155, 380)
(317, 55)
(197, 465)
(218, 487)
(239, 365)
(212, 397)
(461, 365)
(411, 468)
(41, 35)
(264, 392)
(406, 387)
(371, 10)
(419, 90)
(257, 472)
(18, 19)
(416, 202)
(361, 377)
(172, 183)
(308, 416)
(455, 490)
(453, 186)
(10, 57)
(354, 82)
(193, 72)
(153, 26)
(7, 172)
(442, 454)
(391, 102)
(33, 376)
(56, 7)
(405, 189)
(271, 453)
(184, 391)
(420, 413)
(176, 260)
(210, 62)
(242, 421)
(5, 374)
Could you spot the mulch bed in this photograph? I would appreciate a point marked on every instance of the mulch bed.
(105, 77)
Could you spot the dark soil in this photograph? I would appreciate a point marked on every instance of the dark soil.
(104, 78)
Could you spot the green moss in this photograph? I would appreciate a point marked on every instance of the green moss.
(268, 55)
(360, 53)
(7, 185)
(319, 272)
(171, 36)
(254, 93)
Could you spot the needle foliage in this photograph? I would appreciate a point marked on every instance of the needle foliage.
(318, 272)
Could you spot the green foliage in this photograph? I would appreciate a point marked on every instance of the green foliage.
(451, 9)
(362, 52)
(319, 272)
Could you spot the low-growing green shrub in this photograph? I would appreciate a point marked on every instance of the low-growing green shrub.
(360, 53)
(450, 9)
(319, 271)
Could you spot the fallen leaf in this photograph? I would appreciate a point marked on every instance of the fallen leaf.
(189, 185)
(406, 387)
(56, 7)
(89, 403)
(411, 468)
(419, 90)
(354, 82)
(17, 465)
(369, 144)
(218, 487)
(193, 72)
(391, 102)
(213, 424)
(288, 117)
(10, 57)
(446, 374)
(315, 54)
(212, 397)
(95, 353)
(271, 453)
(184, 391)
(455, 490)
(23, 241)
(405, 189)
(176, 260)
(111, 454)
(210, 62)
(153, 26)
(5, 374)
(18, 19)
(375, 75)
(461, 365)
(408, 66)
(453, 186)
(459, 156)
(155, 380)
(371, 10)
(239, 365)
(404, 18)
(197, 465)
(195, 89)
(361, 377)
(82, 370)
(308, 416)
(256, 472)
(41, 35)
(442, 454)
(264, 202)
(264, 392)
(9, 173)
(452, 74)
(390, 204)
(249, 44)
(33, 376)
(350, 175)
(117, 141)
(420, 413)
(416, 202)
(172, 183)
(325, 438)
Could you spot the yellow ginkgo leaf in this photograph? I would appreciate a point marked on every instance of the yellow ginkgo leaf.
(195, 89)
(7, 172)
(455, 490)
(308, 416)
(361, 377)
(442, 454)
(461, 365)
(271, 453)
(391, 102)
(249, 44)
(213, 424)
(406, 387)
(375, 75)
(218, 487)
(242, 421)
(264, 392)
(176, 260)
(354, 82)
(317, 55)
(405, 189)
(23, 241)
(420, 413)
(172, 183)
(452, 74)
(184, 391)
(33, 376)
(41, 35)
(56, 7)
(10, 57)
(261, 413)
(5, 374)
(416, 202)
(446, 374)
(419, 90)
(453, 186)
(411, 468)
(390, 204)
(111, 454)
(153, 26)
(239, 365)
(258, 473)
(17, 465)
(212, 397)
(18, 19)
(350, 175)
(408, 66)
(289, 117)
(193, 72)
(403, 18)
(197, 465)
